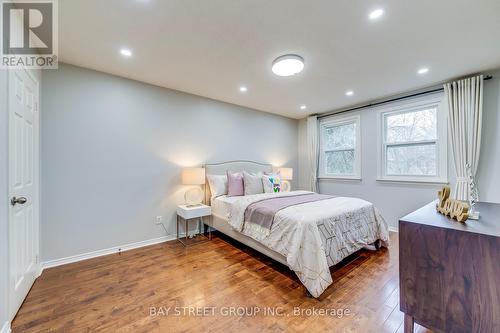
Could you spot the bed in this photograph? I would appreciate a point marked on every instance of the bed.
(307, 237)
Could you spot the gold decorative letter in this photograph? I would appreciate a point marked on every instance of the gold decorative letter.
(455, 209)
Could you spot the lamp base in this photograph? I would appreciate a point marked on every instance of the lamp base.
(193, 197)
(474, 215)
(286, 186)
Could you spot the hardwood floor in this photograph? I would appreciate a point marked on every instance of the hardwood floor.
(131, 292)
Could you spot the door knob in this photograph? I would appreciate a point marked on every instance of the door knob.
(20, 200)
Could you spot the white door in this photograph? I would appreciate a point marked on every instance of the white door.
(23, 185)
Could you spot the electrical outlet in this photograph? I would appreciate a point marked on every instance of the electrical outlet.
(159, 220)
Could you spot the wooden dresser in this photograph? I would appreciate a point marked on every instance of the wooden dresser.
(449, 272)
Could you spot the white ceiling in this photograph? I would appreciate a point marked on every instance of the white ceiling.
(211, 47)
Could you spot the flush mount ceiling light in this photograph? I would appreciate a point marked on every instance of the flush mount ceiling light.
(243, 89)
(303, 107)
(126, 52)
(288, 65)
(423, 70)
(349, 93)
(376, 14)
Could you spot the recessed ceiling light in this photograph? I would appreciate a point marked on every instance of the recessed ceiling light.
(126, 52)
(423, 70)
(288, 65)
(243, 89)
(349, 93)
(377, 13)
(303, 107)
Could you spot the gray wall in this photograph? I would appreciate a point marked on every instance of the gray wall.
(489, 176)
(395, 200)
(113, 149)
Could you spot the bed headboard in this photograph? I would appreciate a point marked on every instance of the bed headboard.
(234, 166)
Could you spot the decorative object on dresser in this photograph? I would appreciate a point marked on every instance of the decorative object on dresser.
(193, 176)
(449, 272)
(473, 195)
(188, 213)
(455, 209)
(286, 175)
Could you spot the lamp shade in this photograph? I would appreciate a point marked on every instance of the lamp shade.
(286, 173)
(193, 176)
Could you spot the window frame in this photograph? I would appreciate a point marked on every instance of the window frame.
(333, 121)
(441, 140)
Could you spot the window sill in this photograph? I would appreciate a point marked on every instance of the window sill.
(358, 178)
(414, 181)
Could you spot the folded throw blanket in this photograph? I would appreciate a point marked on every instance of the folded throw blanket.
(261, 213)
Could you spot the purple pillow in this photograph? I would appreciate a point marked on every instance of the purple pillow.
(235, 184)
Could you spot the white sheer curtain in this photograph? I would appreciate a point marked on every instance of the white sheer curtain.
(465, 105)
(312, 152)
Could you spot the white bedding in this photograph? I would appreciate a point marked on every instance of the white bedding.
(221, 205)
(312, 236)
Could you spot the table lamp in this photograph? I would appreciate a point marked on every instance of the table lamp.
(193, 176)
(286, 175)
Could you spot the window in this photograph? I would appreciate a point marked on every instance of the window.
(340, 148)
(413, 145)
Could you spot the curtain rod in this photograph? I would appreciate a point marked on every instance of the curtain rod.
(326, 114)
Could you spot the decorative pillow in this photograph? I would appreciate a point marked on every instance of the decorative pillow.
(272, 183)
(235, 184)
(253, 183)
(218, 185)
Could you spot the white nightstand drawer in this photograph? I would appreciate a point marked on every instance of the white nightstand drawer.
(187, 212)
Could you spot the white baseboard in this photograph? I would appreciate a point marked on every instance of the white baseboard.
(99, 253)
(39, 269)
(393, 229)
(5, 328)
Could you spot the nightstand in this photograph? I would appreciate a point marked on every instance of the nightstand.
(188, 213)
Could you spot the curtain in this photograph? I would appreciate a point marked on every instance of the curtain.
(312, 152)
(465, 110)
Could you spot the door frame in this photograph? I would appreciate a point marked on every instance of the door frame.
(36, 205)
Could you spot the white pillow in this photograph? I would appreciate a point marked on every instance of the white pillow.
(252, 183)
(272, 183)
(218, 185)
